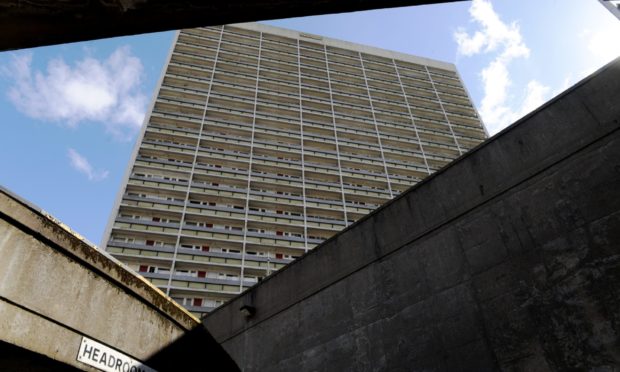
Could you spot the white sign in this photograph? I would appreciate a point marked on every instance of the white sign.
(107, 359)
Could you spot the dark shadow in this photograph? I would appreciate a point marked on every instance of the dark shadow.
(15, 358)
(197, 350)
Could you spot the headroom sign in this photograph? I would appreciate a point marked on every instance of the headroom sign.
(107, 359)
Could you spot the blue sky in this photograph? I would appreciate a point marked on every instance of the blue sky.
(71, 113)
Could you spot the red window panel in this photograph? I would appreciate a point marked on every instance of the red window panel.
(279, 255)
(209, 225)
(280, 233)
(205, 248)
(143, 268)
(197, 302)
(202, 274)
(150, 242)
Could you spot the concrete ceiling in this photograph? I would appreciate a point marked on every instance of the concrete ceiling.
(25, 24)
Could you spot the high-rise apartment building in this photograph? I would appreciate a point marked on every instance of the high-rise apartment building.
(263, 142)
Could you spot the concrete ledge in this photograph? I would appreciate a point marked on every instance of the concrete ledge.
(29, 24)
(45, 227)
(438, 258)
(56, 289)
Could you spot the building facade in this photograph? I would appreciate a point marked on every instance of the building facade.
(613, 6)
(263, 142)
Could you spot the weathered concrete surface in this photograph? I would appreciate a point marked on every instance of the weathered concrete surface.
(508, 259)
(56, 288)
(25, 24)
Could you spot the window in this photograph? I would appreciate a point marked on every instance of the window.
(143, 268)
(279, 255)
(197, 302)
(150, 242)
(156, 219)
(205, 248)
(202, 274)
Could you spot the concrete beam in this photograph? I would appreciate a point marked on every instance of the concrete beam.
(26, 24)
(508, 258)
(58, 292)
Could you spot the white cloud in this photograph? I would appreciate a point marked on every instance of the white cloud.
(602, 45)
(506, 43)
(496, 81)
(469, 46)
(568, 81)
(494, 34)
(106, 91)
(82, 165)
(535, 95)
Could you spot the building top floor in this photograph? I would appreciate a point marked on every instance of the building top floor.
(330, 42)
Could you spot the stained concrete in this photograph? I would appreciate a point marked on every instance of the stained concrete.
(508, 259)
(56, 288)
(26, 24)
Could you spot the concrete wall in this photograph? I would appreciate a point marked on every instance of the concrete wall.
(55, 289)
(26, 24)
(509, 259)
